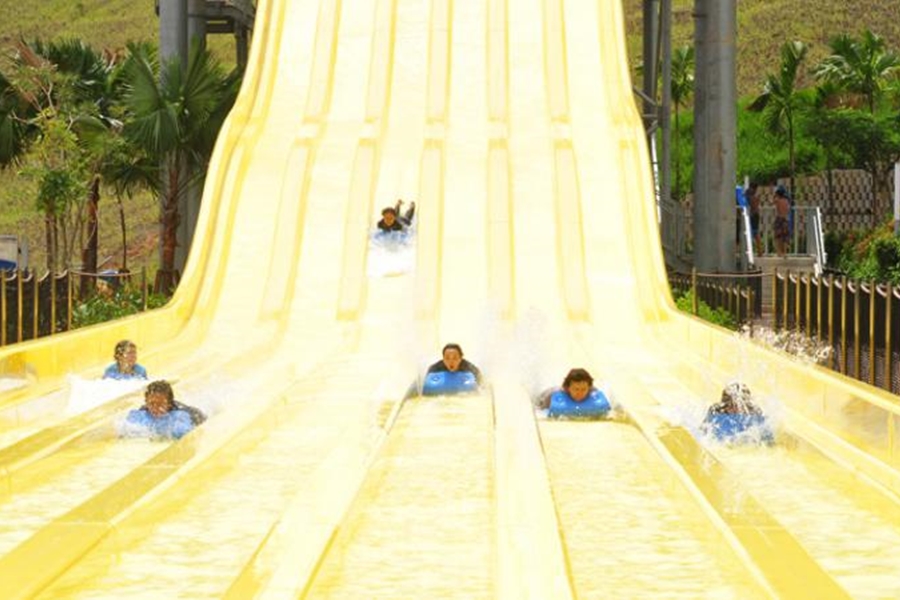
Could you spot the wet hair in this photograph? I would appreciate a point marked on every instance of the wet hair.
(122, 347)
(451, 346)
(576, 376)
(736, 392)
(389, 210)
(163, 387)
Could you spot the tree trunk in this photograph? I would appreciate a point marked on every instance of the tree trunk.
(89, 252)
(55, 241)
(165, 277)
(124, 234)
(48, 230)
(677, 156)
(791, 157)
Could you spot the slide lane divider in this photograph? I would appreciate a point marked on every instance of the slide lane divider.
(366, 164)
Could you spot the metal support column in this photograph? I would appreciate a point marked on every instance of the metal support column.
(715, 125)
(665, 109)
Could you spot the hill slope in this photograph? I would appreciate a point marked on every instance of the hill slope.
(763, 25)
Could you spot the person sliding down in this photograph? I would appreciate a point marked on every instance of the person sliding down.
(162, 416)
(452, 361)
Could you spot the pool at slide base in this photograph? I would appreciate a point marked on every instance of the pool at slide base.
(740, 428)
(594, 405)
(448, 382)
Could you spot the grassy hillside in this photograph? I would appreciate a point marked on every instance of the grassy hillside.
(763, 25)
(105, 23)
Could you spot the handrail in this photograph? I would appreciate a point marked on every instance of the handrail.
(819, 236)
(747, 237)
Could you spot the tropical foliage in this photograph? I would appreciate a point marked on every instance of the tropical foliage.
(76, 121)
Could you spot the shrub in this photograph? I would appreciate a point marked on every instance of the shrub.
(125, 301)
(719, 316)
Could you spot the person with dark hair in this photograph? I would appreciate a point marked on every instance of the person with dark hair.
(577, 398)
(125, 367)
(735, 414)
(161, 415)
(736, 399)
(782, 224)
(393, 220)
(452, 361)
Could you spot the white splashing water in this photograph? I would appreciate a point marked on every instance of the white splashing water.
(391, 254)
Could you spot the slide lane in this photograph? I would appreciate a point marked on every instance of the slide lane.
(534, 204)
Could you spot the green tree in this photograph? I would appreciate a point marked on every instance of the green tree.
(864, 66)
(782, 102)
(40, 113)
(683, 63)
(173, 116)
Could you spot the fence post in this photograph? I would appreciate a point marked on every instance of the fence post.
(784, 306)
(872, 292)
(797, 289)
(818, 309)
(36, 308)
(20, 317)
(3, 315)
(774, 298)
(844, 324)
(52, 303)
(856, 357)
(695, 305)
(888, 366)
(808, 302)
(831, 312)
(751, 308)
(69, 302)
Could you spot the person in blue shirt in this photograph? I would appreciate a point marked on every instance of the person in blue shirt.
(162, 416)
(735, 415)
(577, 388)
(452, 361)
(126, 366)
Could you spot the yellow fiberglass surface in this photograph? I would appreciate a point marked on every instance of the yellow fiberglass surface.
(512, 126)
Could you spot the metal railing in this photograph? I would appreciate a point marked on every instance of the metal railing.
(739, 294)
(673, 228)
(33, 307)
(857, 320)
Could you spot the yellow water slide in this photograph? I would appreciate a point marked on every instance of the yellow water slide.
(512, 125)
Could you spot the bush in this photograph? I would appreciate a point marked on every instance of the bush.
(125, 301)
(719, 316)
(873, 255)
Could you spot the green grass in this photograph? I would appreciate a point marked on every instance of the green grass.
(763, 25)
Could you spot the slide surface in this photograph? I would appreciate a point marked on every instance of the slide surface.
(512, 126)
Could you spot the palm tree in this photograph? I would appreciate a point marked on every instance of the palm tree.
(781, 101)
(861, 66)
(173, 114)
(682, 90)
